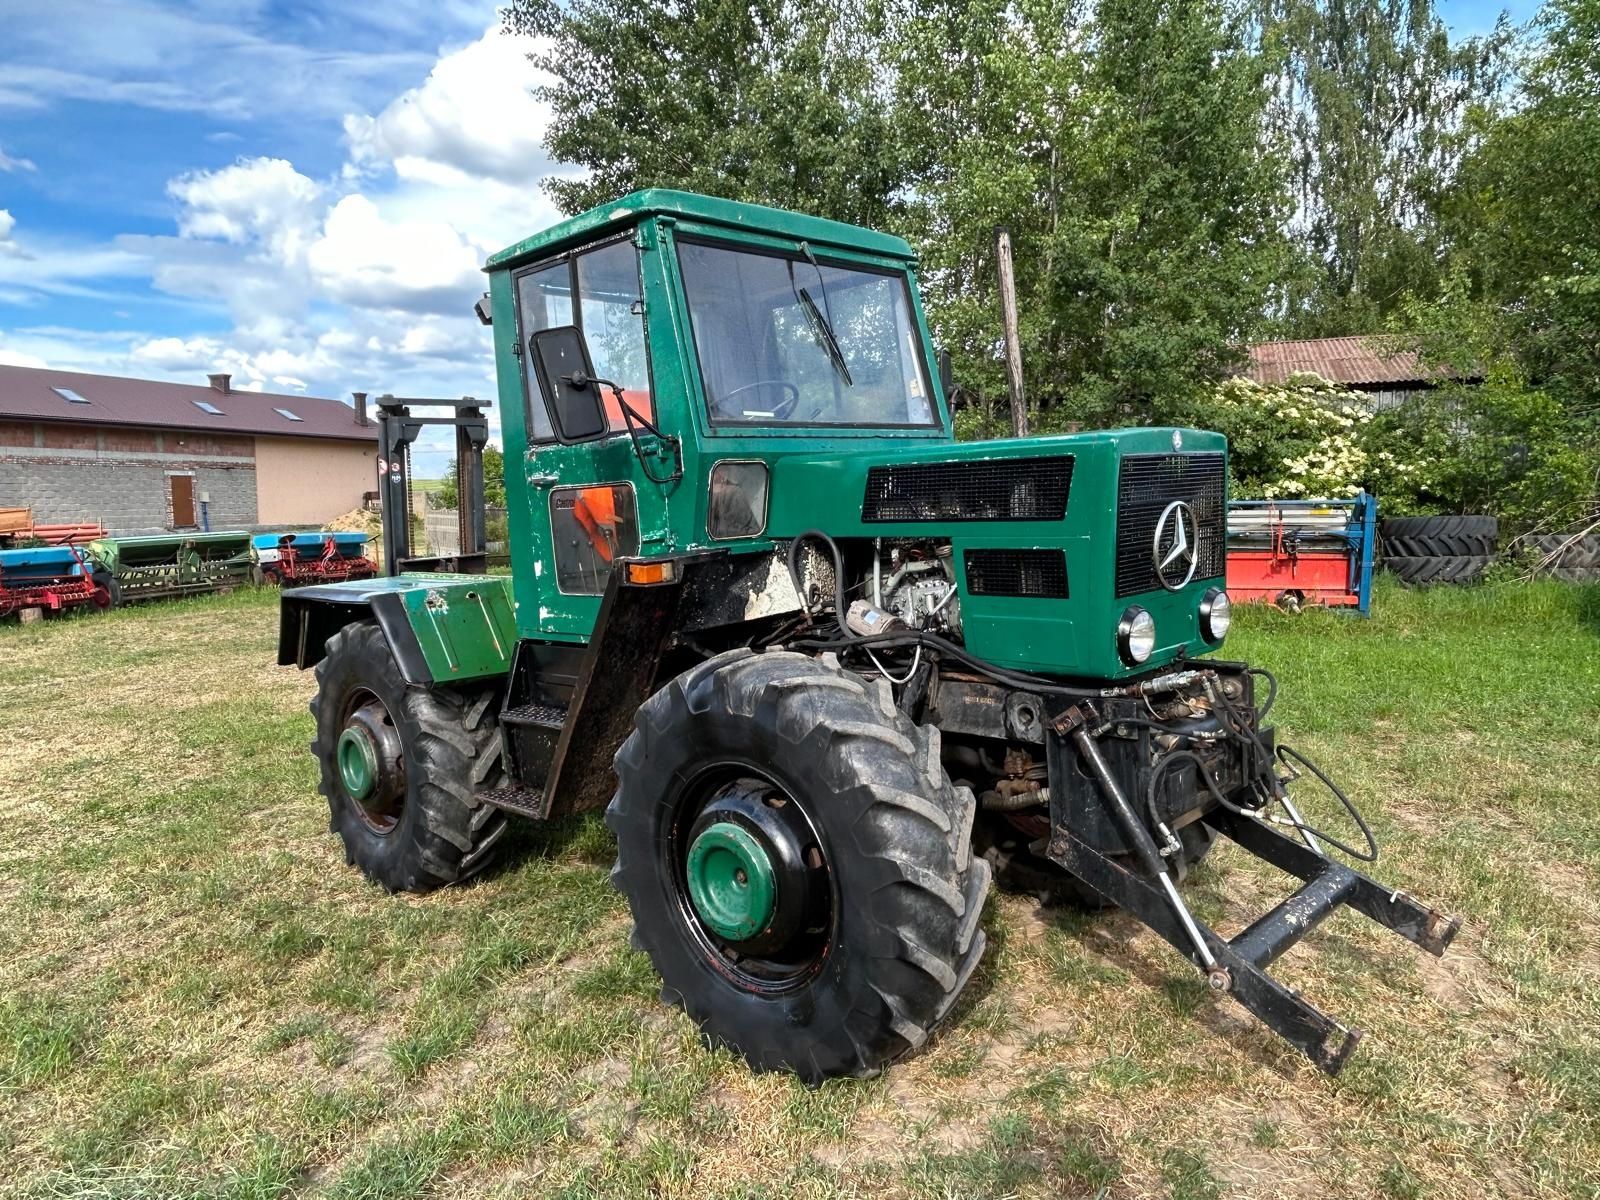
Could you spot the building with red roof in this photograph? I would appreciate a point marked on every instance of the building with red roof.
(141, 454)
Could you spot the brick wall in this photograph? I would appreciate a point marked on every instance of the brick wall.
(119, 476)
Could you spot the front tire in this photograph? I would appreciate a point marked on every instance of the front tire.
(863, 947)
(402, 766)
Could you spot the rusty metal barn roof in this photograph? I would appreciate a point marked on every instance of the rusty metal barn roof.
(73, 397)
(1359, 361)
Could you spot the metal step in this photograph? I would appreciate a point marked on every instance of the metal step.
(546, 716)
(523, 802)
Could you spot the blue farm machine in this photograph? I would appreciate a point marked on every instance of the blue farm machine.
(304, 558)
(51, 579)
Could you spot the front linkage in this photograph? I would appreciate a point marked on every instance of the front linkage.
(1102, 749)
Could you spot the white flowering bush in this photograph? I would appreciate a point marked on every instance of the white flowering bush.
(1305, 437)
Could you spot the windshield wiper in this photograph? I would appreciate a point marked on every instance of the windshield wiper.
(821, 331)
(825, 338)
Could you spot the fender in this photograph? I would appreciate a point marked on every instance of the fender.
(442, 628)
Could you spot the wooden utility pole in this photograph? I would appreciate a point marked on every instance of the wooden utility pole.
(1008, 316)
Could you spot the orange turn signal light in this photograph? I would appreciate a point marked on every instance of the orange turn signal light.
(652, 572)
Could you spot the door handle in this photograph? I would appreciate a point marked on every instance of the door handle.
(543, 480)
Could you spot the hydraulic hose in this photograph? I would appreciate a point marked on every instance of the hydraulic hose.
(793, 561)
(1287, 752)
(908, 639)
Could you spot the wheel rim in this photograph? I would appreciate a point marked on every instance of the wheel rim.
(358, 762)
(751, 879)
(731, 880)
(369, 763)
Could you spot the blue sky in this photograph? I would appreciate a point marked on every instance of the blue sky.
(299, 193)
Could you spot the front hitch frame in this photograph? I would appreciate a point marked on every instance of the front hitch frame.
(1238, 965)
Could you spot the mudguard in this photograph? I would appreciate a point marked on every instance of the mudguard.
(441, 628)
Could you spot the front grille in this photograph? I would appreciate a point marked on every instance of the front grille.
(1146, 484)
(1033, 573)
(1011, 489)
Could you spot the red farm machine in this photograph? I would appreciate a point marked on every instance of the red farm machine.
(51, 579)
(294, 559)
(1295, 553)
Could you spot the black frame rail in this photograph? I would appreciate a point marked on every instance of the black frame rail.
(398, 428)
(1238, 965)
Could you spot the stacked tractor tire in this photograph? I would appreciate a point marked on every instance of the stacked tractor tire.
(1428, 550)
(1575, 559)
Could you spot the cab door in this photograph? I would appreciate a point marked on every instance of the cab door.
(588, 503)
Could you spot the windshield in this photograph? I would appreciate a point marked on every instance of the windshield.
(785, 340)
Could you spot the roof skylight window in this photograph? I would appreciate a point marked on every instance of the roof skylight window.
(208, 407)
(287, 415)
(70, 396)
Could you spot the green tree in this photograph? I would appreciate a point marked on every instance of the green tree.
(1122, 145)
(1372, 97)
(1526, 213)
(494, 480)
(773, 101)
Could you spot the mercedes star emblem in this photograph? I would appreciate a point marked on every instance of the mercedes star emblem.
(1175, 547)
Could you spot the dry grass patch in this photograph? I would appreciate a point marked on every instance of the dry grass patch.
(198, 997)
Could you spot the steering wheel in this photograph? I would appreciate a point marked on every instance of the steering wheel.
(780, 411)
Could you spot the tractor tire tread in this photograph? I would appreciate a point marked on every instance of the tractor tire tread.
(914, 897)
(1458, 545)
(1423, 570)
(451, 743)
(1565, 551)
(1455, 525)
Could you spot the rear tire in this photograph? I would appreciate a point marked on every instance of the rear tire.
(1459, 537)
(421, 825)
(1471, 525)
(891, 934)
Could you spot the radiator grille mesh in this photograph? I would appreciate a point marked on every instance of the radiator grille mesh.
(1013, 489)
(1040, 574)
(1146, 484)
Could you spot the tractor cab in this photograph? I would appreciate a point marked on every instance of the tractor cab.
(659, 357)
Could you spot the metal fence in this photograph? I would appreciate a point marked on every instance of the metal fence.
(442, 529)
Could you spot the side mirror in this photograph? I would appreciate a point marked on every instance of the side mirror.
(947, 379)
(566, 377)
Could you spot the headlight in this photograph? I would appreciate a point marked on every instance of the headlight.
(1216, 614)
(1136, 636)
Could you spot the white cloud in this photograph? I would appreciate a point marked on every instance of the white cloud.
(234, 61)
(474, 116)
(7, 224)
(15, 358)
(256, 199)
(362, 278)
(367, 259)
(10, 163)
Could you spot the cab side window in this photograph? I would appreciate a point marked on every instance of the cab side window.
(612, 313)
(598, 291)
(544, 299)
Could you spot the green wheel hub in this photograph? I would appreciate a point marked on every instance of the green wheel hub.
(731, 881)
(358, 762)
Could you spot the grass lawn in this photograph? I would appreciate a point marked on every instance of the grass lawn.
(198, 997)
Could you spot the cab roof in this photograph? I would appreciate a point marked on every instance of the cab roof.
(629, 210)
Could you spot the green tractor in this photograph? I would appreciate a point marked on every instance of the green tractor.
(828, 671)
